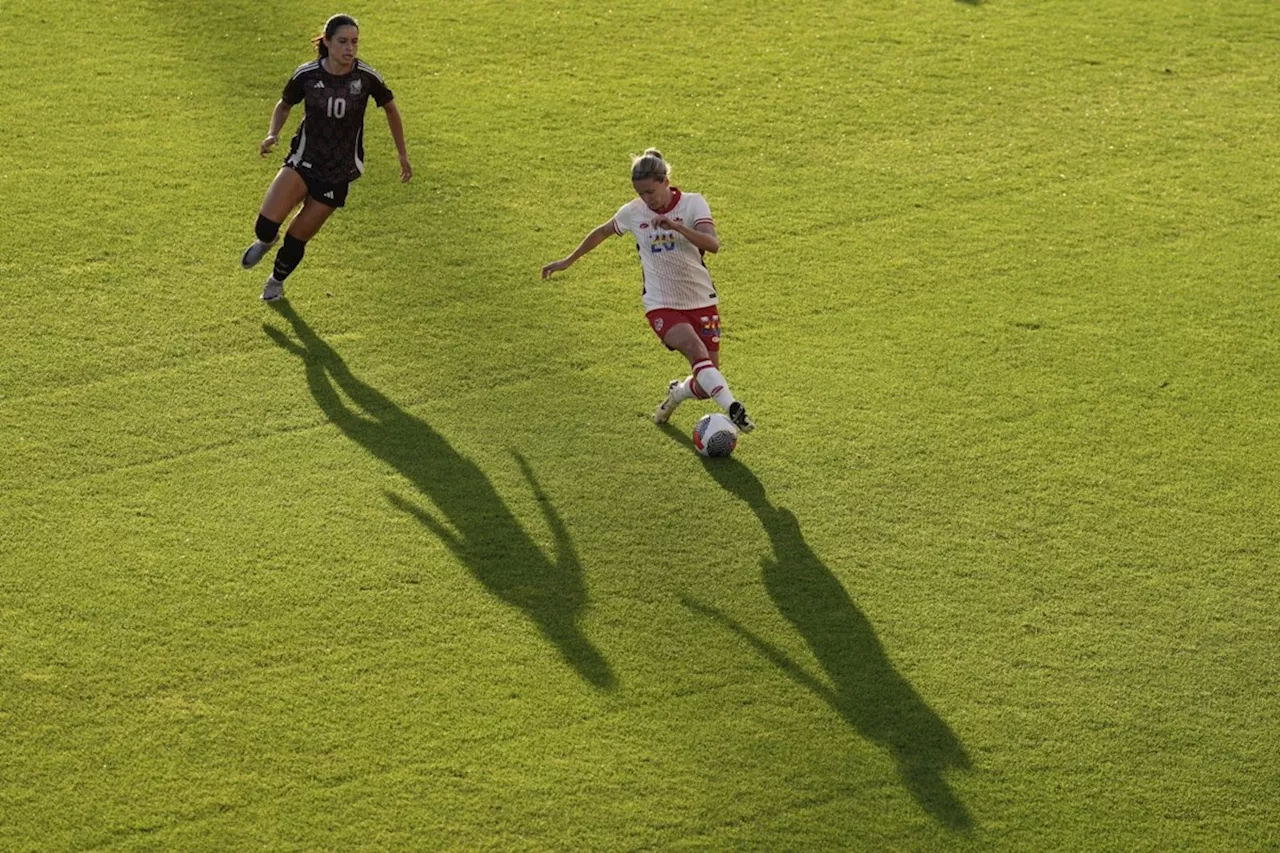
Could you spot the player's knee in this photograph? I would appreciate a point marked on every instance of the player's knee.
(684, 340)
(696, 352)
(266, 229)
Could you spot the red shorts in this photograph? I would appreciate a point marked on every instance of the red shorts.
(705, 321)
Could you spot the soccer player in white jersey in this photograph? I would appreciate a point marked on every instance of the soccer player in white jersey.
(327, 151)
(673, 230)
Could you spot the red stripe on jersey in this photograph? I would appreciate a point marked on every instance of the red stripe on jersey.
(616, 229)
(704, 219)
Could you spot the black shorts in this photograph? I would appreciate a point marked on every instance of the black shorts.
(334, 195)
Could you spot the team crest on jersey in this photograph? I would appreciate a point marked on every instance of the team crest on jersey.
(355, 87)
(644, 224)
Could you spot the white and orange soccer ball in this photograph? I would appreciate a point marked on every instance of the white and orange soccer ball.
(714, 435)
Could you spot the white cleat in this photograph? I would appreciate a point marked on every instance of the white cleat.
(662, 414)
(273, 290)
(738, 414)
(257, 249)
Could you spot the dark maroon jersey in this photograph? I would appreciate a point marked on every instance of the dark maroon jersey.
(329, 143)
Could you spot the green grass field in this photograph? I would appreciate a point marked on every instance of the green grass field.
(403, 564)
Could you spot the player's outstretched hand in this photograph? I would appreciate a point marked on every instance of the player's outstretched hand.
(406, 171)
(554, 267)
(267, 144)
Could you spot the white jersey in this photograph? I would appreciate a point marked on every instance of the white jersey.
(674, 275)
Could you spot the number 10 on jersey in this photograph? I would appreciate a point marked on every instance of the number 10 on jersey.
(337, 108)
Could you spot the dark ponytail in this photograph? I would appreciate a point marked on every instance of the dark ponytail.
(331, 26)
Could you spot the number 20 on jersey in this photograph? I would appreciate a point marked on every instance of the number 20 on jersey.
(662, 241)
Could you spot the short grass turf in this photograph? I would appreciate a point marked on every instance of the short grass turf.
(401, 564)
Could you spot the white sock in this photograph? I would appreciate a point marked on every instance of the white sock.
(713, 384)
(685, 390)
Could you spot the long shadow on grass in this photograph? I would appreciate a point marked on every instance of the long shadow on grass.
(485, 536)
(861, 685)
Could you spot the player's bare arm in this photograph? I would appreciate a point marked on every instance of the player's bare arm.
(595, 238)
(396, 124)
(704, 236)
(278, 117)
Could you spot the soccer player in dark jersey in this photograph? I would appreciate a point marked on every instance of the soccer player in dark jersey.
(327, 152)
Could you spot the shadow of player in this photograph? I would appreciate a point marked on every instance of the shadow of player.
(469, 516)
(861, 683)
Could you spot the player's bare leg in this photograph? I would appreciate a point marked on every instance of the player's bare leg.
(308, 221)
(304, 226)
(679, 390)
(285, 193)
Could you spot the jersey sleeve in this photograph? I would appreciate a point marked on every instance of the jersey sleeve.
(700, 211)
(382, 95)
(624, 219)
(293, 93)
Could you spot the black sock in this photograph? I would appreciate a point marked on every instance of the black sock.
(288, 257)
(266, 229)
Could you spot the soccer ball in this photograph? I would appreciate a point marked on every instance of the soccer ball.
(714, 435)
